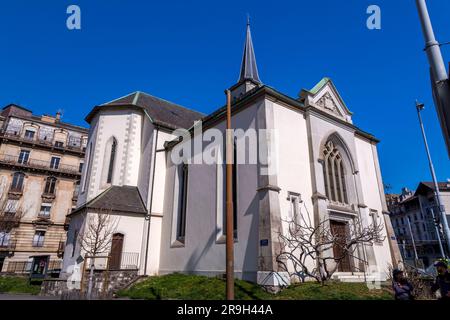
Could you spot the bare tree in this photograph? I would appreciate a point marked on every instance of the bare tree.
(96, 238)
(307, 248)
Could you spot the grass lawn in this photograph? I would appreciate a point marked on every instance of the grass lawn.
(9, 284)
(193, 287)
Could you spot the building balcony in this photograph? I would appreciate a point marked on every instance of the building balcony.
(10, 220)
(73, 144)
(8, 246)
(61, 247)
(41, 165)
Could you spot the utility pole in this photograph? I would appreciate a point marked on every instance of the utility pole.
(437, 193)
(229, 204)
(436, 227)
(439, 77)
(416, 257)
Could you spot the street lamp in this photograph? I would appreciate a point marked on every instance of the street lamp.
(437, 193)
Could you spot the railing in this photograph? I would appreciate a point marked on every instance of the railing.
(40, 164)
(125, 261)
(10, 219)
(19, 267)
(73, 143)
(16, 189)
(8, 245)
(24, 267)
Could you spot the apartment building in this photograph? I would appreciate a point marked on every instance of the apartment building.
(41, 159)
(415, 218)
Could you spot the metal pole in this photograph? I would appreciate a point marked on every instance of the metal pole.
(432, 47)
(443, 215)
(413, 242)
(437, 233)
(229, 203)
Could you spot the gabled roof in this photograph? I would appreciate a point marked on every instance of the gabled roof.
(162, 112)
(126, 199)
(322, 83)
(426, 186)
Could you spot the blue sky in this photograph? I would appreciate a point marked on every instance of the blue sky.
(190, 51)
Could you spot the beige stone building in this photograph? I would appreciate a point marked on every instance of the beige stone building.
(41, 159)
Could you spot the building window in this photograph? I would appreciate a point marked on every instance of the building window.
(80, 167)
(29, 134)
(5, 238)
(54, 162)
(112, 157)
(11, 206)
(89, 161)
(23, 157)
(50, 185)
(74, 242)
(45, 211)
(17, 182)
(59, 144)
(334, 174)
(182, 204)
(38, 239)
(294, 199)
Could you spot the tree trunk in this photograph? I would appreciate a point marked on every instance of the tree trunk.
(91, 279)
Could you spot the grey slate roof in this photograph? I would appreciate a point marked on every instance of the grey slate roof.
(162, 112)
(125, 199)
(249, 69)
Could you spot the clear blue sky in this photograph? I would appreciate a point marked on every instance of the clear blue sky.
(190, 51)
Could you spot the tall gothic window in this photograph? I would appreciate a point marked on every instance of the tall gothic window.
(182, 208)
(112, 157)
(334, 174)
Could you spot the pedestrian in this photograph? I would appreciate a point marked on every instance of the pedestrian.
(442, 282)
(403, 290)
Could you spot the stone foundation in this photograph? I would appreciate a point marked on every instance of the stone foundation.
(71, 290)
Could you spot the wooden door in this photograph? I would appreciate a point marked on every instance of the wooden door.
(116, 251)
(339, 229)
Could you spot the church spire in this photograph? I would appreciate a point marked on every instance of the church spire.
(249, 69)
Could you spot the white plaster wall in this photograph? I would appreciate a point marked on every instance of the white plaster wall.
(294, 172)
(372, 196)
(125, 125)
(202, 253)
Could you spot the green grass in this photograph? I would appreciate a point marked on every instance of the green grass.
(193, 287)
(10, 284)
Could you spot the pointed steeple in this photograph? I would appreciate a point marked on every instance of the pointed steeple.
(249, 69)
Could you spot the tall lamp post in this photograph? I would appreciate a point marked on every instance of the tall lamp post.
(437, 193)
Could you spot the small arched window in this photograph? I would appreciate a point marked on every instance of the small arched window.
(112, 158)
(334, 174)
(50, 185)
(17, 182)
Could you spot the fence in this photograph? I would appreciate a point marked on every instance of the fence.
(125, 261)
(24, 267)
(40, 164)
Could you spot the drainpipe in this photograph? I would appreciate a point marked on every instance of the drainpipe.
(151, 200)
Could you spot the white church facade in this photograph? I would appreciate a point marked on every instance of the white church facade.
(316, 162)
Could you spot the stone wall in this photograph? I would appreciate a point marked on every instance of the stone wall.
(67, 291)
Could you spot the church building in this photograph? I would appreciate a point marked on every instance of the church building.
(310, 160)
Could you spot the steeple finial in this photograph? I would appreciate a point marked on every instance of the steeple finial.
(249, 69)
